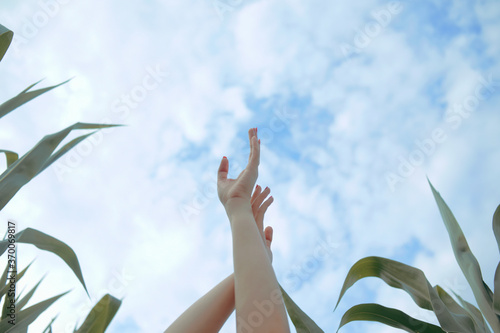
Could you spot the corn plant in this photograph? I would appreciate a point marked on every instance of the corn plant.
(19, 171)
(454, 314)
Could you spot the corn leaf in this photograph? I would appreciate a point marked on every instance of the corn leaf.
(25, 317)
(101, 315)
(475, 313)
(496, 295)
(301, 321)
(49, 243)
(454, 307)
(467, 262)
(4, 289)
(35, 160)
(5, 40)
(496, 225)
(23, 301)
(24, 97)
(413, 281)
(49, 326)
(10, 155)
(388, 316)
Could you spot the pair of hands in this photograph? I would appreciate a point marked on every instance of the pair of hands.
(236, 192)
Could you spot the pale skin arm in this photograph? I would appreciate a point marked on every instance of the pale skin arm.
(255, 283)
(211, 311)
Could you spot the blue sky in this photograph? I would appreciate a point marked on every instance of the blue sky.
(356, 103)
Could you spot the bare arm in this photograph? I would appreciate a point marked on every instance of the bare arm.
(258, 299)
(259, 303)
(210, 312)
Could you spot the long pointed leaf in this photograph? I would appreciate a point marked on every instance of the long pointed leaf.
(10, 155)
(413, 281)
(64, 150)
(4, 289)
(496, 226)
(25, 317)
(5, 40)
(101, 315)
(29, 165)
(456, 308)
(475, 313)
(496, 295)
(49, 243)
(467, 262)
(24, 97)
(23, 301)
(387, 316)
(301, 321)
(49, 326)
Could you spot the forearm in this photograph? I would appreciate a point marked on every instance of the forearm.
(259, 303)
(210, 312)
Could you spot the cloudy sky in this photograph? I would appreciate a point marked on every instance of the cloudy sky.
(355, 102)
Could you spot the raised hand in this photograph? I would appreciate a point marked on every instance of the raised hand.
(239, 189)
(259, 207)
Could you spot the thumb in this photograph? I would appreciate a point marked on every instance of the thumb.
(223, 168)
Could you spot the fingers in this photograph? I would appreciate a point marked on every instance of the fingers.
(255, 194)
(259, 197)
(262, 211)
(269, 235)
(223, 169)
(254, 158)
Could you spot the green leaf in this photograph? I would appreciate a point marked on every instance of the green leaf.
(4, 289)
(37, 159)
(25, 317)
(23, 301)
(496, 225)
(475, 313)
(453, 306)
(5, 40)
(301, 321)
(496, 295)
(49, 243)
(413, 281)
(387, 316)
(24, 97)
(467, 262)
(49, 326)
(101, 315)
(10, 155)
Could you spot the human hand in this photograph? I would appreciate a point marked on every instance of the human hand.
(236, 191)
(259, 207)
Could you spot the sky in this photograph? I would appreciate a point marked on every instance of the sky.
(356, 103)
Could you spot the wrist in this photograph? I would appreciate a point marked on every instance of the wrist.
(238, 207)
